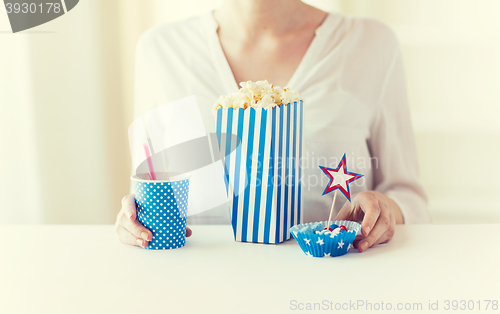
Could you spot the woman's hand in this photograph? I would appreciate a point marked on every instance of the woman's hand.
(379, 215)
(129, 229)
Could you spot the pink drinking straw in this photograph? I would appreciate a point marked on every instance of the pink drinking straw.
(150, 162)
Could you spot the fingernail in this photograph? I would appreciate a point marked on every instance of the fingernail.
(145, 235)
(363, 245)
(367, 230)
(129, 215)
(140, 242)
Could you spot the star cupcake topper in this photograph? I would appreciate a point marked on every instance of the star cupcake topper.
(340, 179)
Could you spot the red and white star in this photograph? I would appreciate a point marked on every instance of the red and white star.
(340, 178)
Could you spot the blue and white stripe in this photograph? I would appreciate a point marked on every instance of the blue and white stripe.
(263, 173)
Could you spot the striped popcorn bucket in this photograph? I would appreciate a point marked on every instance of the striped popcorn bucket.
(262, 169)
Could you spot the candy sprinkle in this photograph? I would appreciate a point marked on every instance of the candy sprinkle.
(334, 226)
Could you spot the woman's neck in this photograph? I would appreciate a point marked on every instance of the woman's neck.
(255, 18)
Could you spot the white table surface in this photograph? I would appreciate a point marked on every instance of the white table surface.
(84, 269)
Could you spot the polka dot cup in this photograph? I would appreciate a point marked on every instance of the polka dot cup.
(162, 208)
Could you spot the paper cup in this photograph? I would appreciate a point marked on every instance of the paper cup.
(323, 245)
(162, 208)
(263, 173)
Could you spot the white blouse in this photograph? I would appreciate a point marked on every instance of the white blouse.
(352, 82)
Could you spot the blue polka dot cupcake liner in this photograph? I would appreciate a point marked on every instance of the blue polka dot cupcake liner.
(327, 244)
(162, 208)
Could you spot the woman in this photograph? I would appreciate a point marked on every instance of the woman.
(349, 73)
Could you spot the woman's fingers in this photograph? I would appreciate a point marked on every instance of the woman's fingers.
(370, 206)
(129, 207)
(382, 226)
(358, 238)
(136, 228)
(387, 236)
(378, 220)
(127, 218)
(129, 229)
(373, 237)
(128, 238)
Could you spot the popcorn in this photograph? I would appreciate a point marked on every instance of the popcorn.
(266, 102)
(258, 94)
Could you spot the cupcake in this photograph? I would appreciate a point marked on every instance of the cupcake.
(319, 240)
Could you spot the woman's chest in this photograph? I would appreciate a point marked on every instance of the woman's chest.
(336, 115)
(272, 60)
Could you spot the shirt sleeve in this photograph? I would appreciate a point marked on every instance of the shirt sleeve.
(392, 146)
